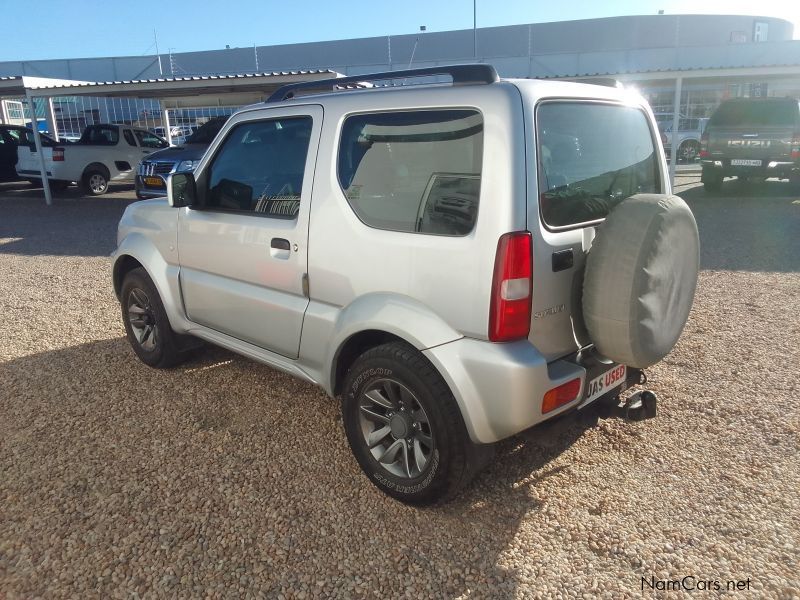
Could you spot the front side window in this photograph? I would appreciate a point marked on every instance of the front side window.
(591, 157)
(149, 140)
(413, 171)
(129, 137)
(260, 166)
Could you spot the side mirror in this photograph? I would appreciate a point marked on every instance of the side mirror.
(181, 190)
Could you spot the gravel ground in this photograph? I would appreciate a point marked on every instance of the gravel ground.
(224, 478)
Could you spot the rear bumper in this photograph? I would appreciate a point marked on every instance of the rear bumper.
(769, 168)
(500, 387)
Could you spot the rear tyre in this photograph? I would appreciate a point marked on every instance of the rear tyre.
(405, 428)
(688, 151)
(146, 323)
(794, 183)
(712, 184)
(95, 182)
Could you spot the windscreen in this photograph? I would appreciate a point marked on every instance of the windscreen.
(591, 157)
(755, 113)
(206, 133)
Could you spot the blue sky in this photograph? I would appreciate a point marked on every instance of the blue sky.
(87, 28)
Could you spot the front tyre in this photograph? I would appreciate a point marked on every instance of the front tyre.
(404, 426)
(146, 323)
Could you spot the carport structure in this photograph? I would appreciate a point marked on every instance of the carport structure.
(171, 93)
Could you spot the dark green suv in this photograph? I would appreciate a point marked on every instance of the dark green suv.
(752, 138)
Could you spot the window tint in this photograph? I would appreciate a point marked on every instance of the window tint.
(756, 112)
(149, 140)
(129, 137)
(413, 171)
(17, 136)
(260, 168)
(591, 157)
(207, 132)
(100, 135)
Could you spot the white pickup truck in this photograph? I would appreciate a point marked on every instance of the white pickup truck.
(105, 154)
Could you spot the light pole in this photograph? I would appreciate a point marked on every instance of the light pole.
(475, 29)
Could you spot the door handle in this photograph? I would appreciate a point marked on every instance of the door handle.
(280, 248)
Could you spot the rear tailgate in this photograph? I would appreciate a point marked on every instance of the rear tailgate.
(590, 156)
(28, 161)
(765, 143)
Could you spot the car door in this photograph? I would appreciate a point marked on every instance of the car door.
(243, 253)
(8, 156)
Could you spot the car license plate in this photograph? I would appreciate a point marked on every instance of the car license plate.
(745, 162)
(154, 181)
(606, 382)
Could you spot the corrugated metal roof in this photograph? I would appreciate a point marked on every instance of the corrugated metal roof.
(192, 78)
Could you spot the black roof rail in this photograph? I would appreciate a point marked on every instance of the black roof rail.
(604, 81)
(461, 74)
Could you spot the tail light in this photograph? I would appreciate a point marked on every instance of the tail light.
(796, 145)
(58, 154)
(561, 395)
(704, 145)
(512, 288)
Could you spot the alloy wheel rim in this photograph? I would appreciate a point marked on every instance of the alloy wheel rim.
(142, 319)
(97, 182)
(395, 428)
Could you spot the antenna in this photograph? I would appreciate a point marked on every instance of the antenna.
(255, 53)
(422, 29)
(160, 69)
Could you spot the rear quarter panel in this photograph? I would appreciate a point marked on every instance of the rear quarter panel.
(448, 276)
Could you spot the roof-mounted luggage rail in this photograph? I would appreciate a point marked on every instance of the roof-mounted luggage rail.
(461, 74)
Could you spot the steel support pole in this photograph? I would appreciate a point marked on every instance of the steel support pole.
(48, 197)
(52, 125)
(676, 117)
(165, 123)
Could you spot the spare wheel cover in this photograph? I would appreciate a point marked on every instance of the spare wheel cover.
(641, 274)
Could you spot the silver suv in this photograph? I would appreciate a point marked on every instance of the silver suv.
(456, 260)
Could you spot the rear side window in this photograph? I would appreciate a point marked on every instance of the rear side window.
(755, 113)
(591, 157)
(100, 135)
(413, 171)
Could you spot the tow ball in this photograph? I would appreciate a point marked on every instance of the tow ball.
(640, 406)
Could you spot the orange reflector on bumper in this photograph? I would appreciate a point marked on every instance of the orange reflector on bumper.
(561, 395)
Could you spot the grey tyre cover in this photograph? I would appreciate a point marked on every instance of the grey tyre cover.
(641, 274)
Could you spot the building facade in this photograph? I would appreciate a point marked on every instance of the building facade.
(714, 56)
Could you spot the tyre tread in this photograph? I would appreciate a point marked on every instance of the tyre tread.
(464, 457)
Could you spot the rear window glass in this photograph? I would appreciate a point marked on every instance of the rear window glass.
(207, 132)
(100, 135)
(413, 171)
(592, 156)
(759, 112)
